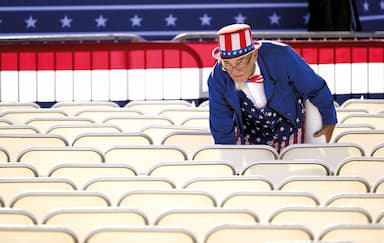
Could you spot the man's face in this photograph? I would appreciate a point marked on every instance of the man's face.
(240, 68)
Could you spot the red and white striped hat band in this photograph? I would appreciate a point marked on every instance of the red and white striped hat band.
(234, 40)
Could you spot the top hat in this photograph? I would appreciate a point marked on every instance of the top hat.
(235, 40)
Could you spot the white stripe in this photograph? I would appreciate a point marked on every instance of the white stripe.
(248, 38)
(235, 41)
(222, 42)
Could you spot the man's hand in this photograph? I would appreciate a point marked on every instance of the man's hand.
(327, 131)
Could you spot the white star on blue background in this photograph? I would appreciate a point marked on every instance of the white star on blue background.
(101, 21)
(274, 19)
(31, 22)
(171, 20)
(205, 20)
(136, 21)
(65, 22)
(240, 19)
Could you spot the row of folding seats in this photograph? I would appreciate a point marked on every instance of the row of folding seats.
(194, 210)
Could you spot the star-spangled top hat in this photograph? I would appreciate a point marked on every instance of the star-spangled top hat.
(235, 40)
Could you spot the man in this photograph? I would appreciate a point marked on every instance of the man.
(257, 92)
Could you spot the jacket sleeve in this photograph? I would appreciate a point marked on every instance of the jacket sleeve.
(312, 86)
(221, 116)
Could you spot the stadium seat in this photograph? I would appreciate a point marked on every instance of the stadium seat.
(378, 187)
(367, 139)
(369, 168)
(72, 107)
(153, 107)
(356, 233)
(189, 141)
(325, 187)
(343, 112)
(144, 234)
(16, 216)
(180, 172)
(42, 203)
(376, 120)
(372, 105)
(83, 220)
(137, 123)
(196, 121)
(71, 131)
(378, 150)
(105, 140)
(20, 116)
(18, 129)
(36, 233)
(5, 106)
(115, 187)
(258, 233)
(239, 155)
(199, 221)
(80, 173)
(265, 203)
(350, 127)
(177, 115)
(45, 158)
(277, 170)
(16, 143)
(4, 155)
(17, 170)
(42, 124)
(372, 202)
(143, 157)
(5, 122)
(10, 187)
(155, 202)
(331, 153)
(220, 187)
(99, 115)
(158, 132)
(319, 217)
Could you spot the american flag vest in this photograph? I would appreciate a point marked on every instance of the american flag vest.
(265, 126)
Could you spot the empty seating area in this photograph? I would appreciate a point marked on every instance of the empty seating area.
(149, 171)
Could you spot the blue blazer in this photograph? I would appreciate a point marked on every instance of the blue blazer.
(286, 77)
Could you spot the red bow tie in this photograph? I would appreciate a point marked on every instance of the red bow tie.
(256, 79)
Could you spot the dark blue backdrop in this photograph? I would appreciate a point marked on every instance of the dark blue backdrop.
(161, 19)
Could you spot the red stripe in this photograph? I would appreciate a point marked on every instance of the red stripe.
(243, 42)
(46, 61)
(27, 61)
(64, 60)
(295, 137)
(228, 42)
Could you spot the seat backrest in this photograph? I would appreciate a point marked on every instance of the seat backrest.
(258, 233)
(41, 203)
(143, 157)
(369, 168)
(356, 233)
(72, 107)
(376, 120)
(115, 187)
(71, 131)
(331, 153)
(36, 233)
(372, 202)
(367, 139)
(17, 170)
(18, 129)
(80, 173)
(153, 107)
(196, 121)
(325, 187)
(378, 150)
(372, 105)
(349, 127)
(10, 187)
(21, 116)
(144, 234)
(180, 172)
(378, 187)
(15, 216)
(342, 112)
(154, 202)
(83, 220)
(158, 132)
(239, 155)
(200, 221)
(277, 170)
(103, 141)
(99, 115)
(319, 217)
(5, 106)
(178, 115)
(264, 203)
(42, 124)
(16, 143)
(220, 187)
(45, 158)
(137, 123)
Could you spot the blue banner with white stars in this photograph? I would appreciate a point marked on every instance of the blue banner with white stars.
(160, 19)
